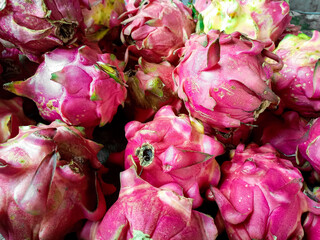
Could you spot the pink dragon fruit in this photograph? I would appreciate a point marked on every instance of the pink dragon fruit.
(298, 83)
(309, 149)
(260, 196)
(11, 117)
(143, 211)
(262, 20)
(79, 86)
(152, 87)
(49, 182)
(156, 28)
(173, 149)
(36, 27)
(284, 133)
(223, 79)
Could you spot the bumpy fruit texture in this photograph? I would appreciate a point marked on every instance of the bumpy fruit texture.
(260, 195)
(284, 133)
(262, 20)
(79, 86)
(156, 28)
(11, 117)
(223, 79)
(101, 17)
(38, 26)
(298, 83)
(145, 212)
(49, 182)
(309, 149)
(173, 149)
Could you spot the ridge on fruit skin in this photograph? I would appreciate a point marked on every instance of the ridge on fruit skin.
(175, 150)
(261, 195)
(79, 86)
(298, 83)
(223, 78)
(143, 211)
(154, 29)
(49, 182)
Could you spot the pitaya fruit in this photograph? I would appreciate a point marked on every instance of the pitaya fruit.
(143, 211)
(11, 117)
(38, 26)
(260, 196)
(284, 133)
(156, 28)
(262, 20)
(79, 86)
(223, 79)
(48, 182)
(309, 149)
(298, 83)
(152, 87)
(101, 17)
(173, 149)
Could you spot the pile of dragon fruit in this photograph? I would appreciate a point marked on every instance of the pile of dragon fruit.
(156, 119)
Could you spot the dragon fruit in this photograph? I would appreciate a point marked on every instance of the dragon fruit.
(36, 27)
(284, 133)
(298, 83)
(309, 149)
(260, 196)
(173, 149)
(11, 117)
(49, 182)
(79, 86)
(262, 20)
(156, 28)
(223, 79)
(143, 211)
(152, 87)
(101, 17)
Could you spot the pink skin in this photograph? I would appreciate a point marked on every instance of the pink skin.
(260, 195)
(219, 90)
(151, 213)
(276, 10)
(284, 133)
(157, 28)
(11, 117)
(308, 150)
(72, 85)
(172, 148)
(48, 182)
(34, 31)
(297, 84)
